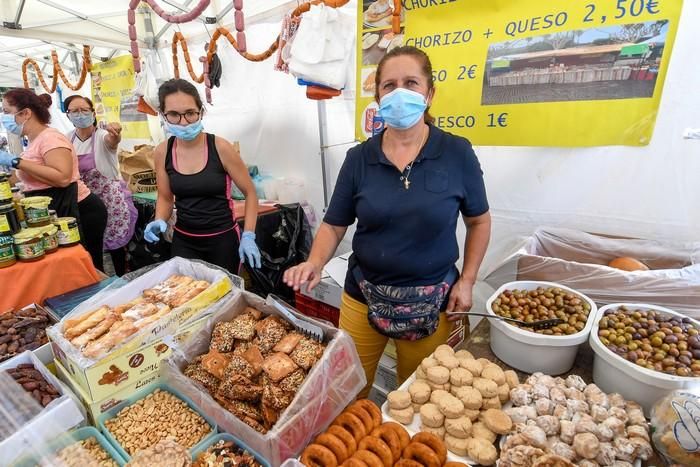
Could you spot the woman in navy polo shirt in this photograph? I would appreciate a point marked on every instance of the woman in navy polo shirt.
(406, 187)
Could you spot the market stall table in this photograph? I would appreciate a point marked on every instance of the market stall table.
(479, 344)
(65, 270)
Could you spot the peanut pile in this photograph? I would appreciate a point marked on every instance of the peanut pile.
(158, 416)
(85, 453)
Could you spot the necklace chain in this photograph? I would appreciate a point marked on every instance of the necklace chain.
(405, 178)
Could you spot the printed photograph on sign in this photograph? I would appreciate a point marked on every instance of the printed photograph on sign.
(368, 86)
(377, 13)
(376, 44)
(616, 62)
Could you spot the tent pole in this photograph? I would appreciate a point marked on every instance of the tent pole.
(323, 136)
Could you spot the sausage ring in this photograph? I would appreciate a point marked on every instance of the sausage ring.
(316, 455)
(390, 438)
(335, 445)
(368, 458)
(353, 462)
(371, 408)
(345, 436)
(351, 423)
(434, 443)
(401, 432)
(419, 452)
(363, 415)
(379, 448)
(407, 463)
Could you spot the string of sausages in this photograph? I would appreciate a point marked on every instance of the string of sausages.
(170, 18)
(57, 72)
(179, 39)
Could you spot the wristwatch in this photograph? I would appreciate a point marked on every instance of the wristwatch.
(15, 162)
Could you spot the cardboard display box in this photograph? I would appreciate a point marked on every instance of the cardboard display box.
(97, 408)
(141, 353)
(110, 376)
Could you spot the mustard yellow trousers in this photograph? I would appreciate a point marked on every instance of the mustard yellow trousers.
(370, 344)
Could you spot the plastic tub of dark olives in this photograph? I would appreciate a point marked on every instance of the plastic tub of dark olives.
(550, 351)
(644, 351)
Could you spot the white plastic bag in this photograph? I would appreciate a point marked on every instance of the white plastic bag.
(322, 47)
(579, 260)
(329, 387)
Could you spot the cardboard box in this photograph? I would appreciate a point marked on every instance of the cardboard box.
(579, 260)
(97, 408)
(36, 425)
(110, 375)
(386, 377)
(330, 289)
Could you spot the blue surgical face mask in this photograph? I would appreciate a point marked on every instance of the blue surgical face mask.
(186, 132)
(11, 125)
(402, 108)
(82, 120)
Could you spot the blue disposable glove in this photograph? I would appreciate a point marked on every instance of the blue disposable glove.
(154, 229)
(6, 159)
(249, 250)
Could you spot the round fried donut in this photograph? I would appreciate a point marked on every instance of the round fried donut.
(353, 462)
(351, 423)
(407, 463)
(419, 452)
(335, 445)
(368, 458)
(372, 409)
(404, 438)
(379, 448)
(345, 436)
(434, 443)
(390, 438)
(316, 455)
(363, 415)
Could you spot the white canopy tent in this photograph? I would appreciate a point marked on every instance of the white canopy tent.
(649, 192)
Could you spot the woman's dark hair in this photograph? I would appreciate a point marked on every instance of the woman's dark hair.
(27, 99)
(423, 60)
(178, 85)
(70, 99)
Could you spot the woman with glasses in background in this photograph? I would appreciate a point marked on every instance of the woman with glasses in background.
(99, 170)
(194, 171)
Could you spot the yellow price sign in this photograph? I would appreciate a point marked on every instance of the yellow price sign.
(113, 96)
(530, 73)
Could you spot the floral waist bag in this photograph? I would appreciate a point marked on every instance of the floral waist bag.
(406, 313)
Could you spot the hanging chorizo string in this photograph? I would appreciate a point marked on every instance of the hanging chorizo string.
(178, 38)
(175, 19)
(57, 72)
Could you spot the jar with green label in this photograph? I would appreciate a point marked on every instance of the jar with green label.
(9, 221)
(5, 188)
(29, 245)
(50, 238)
(7, 251)
(68, 233)
(36, 210)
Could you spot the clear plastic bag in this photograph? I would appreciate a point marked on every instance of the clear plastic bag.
(24, 424)
(675, 427)
(328, 388)
(579, 260)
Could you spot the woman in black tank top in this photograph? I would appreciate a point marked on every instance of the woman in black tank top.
(194, 172)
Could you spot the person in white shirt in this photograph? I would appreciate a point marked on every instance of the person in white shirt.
(99, 170)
